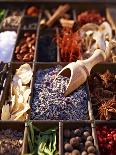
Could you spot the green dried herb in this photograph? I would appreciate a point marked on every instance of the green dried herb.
(42, 143)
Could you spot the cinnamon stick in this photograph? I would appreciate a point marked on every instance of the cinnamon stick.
(58, 13)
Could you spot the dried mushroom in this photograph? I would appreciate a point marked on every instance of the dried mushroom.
(17, 105)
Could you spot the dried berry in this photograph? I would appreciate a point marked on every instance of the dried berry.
(74, 142)
(86, 134)
(91, 149)
(68, 147)
(90, 138)
(84, 153)
(88, 143)
(75, 152)
(77, 132)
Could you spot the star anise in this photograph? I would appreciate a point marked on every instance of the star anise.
(108, 106)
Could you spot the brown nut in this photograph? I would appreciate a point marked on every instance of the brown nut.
(19, 57)
(32, 42)
(23, 50)
(26, 57)
(24, 46)
(33, 48)
(28, 39)
(33, 35)
(17, 49)
(22, 42)
(31, 56)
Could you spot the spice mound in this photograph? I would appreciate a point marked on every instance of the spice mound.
(89, 17)
(7, 43)
(26, 47)
(10, 142)
(48, 99)
(103, 95)
(70, 44)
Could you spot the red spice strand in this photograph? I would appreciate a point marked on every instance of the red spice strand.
(89, 17)
(70, 45)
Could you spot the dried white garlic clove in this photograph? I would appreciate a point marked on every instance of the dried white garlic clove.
(99, 41)
(20, 99)
(25, 73)
(22, 112)
(26, 95)
(106, 30)
(5, 112)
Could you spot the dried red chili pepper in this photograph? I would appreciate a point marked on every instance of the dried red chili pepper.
(70, 45)
(89, 17)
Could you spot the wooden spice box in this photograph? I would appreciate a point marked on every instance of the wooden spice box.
(77, 7)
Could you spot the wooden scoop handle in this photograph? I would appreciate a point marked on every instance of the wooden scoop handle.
(98, 57)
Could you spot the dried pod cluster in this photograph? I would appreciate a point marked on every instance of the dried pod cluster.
(107, 140)
(103, 95)
(17, 105)
(26, 47)
(10, 142)
(78, 142)
(12, 20)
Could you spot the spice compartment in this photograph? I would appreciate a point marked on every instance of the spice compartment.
(47, 69)
(41, 126)
(71, 126)
(12, 19)
(72, 52)
(46, 46)
(104, 129)
(25, 47)
(48, 12)
(100, 92)
(13, 134)
(13, 88)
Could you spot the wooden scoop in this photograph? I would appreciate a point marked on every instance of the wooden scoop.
(79, 71)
